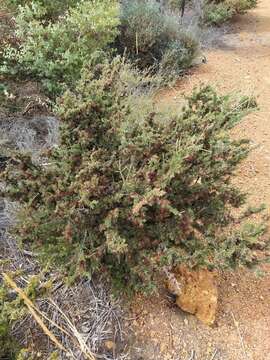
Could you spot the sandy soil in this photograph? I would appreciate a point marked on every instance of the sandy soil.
(239, 63)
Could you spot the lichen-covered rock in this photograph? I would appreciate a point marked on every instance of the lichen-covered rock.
(196, 292)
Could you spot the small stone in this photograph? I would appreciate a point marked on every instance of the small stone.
(162, 347)
(110, 345)
(85, 329)
(168, 357)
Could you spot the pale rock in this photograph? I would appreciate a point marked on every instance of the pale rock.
(162, 347)
(196, 292)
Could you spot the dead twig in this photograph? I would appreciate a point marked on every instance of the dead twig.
(193, 355)
(214, 355)
(240, 336)
(32, 309)
(83, 346)
(171, 335)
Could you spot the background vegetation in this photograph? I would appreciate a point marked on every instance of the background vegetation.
(54, 48)
(218, 11)
(154, 38)
(54, 51)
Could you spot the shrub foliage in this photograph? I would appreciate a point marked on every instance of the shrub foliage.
(130, 187)
(219, 11)
(53, 40)
(151, 37)
(55, 51)
(12, 310)
(51, 8)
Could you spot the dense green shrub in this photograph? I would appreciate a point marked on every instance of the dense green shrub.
(55, 52)
(240, 6)
(51, 8)
(219, 11)
(130, 187)
(147, 34)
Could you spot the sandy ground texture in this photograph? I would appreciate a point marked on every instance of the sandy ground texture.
(239, 63)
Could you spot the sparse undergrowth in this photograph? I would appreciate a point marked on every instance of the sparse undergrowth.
(66, 322)
(12, 309)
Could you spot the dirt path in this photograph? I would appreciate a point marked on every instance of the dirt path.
(240, 63)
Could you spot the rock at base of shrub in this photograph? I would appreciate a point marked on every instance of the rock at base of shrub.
(196, 292)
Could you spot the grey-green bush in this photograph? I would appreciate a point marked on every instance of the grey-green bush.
(178, 57)
(154, 39)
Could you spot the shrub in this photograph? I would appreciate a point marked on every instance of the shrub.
(219, 11)
(178, 56)
(129, 187)
(51, 8)
(240, 6)
(55, 52)
(147, 34)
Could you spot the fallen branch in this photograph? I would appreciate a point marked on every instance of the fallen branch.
(32, 309)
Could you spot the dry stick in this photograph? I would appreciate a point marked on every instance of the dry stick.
(31, 308)
(240, 336)
(192, 357)
(48, 319)
(214, 355)
(171, 335)
(55, 325)
(84, 348)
